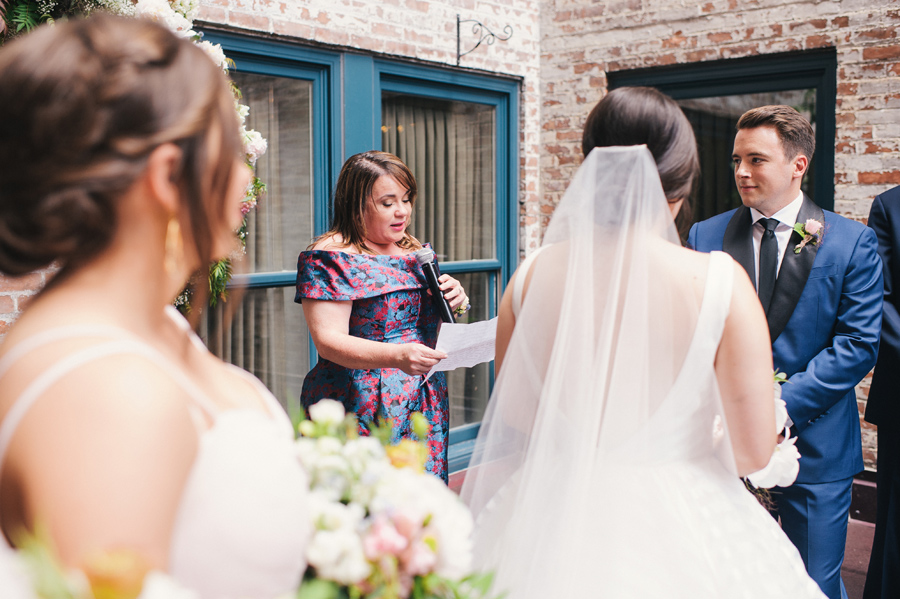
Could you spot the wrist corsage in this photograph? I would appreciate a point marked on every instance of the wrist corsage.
(462, 308)
(810, 233)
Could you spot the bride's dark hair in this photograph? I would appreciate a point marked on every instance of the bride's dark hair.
(84, 104)
(631, 116)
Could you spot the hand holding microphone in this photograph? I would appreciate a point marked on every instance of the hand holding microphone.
(425, 258)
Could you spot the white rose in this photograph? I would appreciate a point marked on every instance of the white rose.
(782, 469)
(215, 52)
(161, 12)
(781, 415)
(162, 586)
(333, 515)
(325, 411)
(338, 556)
(187, 8)
(242, 111)
(255, 145)
(329, 446)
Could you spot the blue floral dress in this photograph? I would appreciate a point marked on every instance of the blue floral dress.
(390, 305)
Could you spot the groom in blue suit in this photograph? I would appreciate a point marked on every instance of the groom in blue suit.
(823, 303)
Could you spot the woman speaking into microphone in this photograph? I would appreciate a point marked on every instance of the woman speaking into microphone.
(368, 308)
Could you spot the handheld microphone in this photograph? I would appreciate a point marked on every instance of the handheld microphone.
(425, 258)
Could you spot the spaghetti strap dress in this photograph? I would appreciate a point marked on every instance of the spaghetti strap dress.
(242, 525)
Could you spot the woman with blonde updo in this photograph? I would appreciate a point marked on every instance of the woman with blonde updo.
(118, 429)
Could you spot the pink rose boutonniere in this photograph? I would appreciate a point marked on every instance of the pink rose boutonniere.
(811, 232)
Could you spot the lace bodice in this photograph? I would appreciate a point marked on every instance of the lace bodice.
(242, 525)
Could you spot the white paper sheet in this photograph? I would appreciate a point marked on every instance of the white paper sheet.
(465, 345)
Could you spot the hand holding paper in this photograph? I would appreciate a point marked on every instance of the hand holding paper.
(465, 345)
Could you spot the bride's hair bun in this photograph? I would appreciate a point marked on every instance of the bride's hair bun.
(84, 103)
(630, 116)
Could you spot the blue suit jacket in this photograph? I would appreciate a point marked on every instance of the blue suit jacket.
(883, 406)
(824, 321)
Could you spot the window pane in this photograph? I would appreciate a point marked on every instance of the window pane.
(282, 225)
(470, 387)
(267, 336)
(449, 147)
(714, 120)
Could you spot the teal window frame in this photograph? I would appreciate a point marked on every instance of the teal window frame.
(347, 88)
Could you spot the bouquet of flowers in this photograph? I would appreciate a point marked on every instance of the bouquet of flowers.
(784, 465)
(383, 527)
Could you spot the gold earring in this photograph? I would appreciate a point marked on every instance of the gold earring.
(174, 246)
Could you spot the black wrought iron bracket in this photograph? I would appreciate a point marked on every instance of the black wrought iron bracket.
(485, 35)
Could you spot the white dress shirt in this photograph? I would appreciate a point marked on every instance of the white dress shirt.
(786, 218)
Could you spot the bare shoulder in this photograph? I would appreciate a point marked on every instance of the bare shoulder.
(120, 425)
(334, 243)
(120, 396)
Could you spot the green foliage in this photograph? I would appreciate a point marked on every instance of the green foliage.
(39, 553)
(779, 377)
(219, 275)
(23, 15)
(432, 586)
(316, 588)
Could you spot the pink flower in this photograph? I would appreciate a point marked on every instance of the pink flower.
(812, 226)
(383, 539)
(419, 559)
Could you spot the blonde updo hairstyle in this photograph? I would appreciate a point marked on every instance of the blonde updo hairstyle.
(84, 104)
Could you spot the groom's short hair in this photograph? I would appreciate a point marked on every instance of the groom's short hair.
(795, 132)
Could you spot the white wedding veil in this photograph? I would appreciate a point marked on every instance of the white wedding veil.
(594, 391)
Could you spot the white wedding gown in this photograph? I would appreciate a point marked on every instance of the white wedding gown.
(242, 526)
(603, 467)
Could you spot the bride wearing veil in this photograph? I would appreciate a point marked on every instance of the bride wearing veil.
(634, 388)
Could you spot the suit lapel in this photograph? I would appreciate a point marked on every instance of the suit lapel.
(794, 272)
(738, 241)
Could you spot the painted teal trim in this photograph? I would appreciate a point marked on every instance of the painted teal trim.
(284, 278)
(470, 266)
(462, 444)
(360, 114)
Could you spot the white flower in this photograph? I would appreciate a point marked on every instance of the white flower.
(781, 415)
(782, 469)
(242, 110)
(417, 497)
(255, 145)
(338, 556)
(325, 411)
(336, 549)
(14, 577)
(162, 586)
(215, 52)
(186, 8)
(161, 12)
(334, 515)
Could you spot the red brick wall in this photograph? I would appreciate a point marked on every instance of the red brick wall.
(581, 42)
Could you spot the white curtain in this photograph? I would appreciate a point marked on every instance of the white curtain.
(267, 334)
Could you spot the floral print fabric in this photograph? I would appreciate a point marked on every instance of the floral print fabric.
(390, 305)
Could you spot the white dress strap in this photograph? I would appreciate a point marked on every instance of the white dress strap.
(519, 285)
(122, 343)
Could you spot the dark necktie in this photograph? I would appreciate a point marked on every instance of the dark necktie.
(768, 262)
